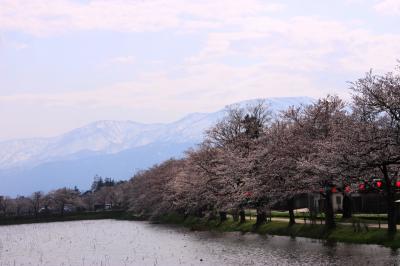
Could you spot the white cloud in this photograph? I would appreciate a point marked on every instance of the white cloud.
(388, 7)
(295, 43)
(123, 60)
(287, 52)
(303, 44)
(247, 52)
(204, 87)
(44, 17)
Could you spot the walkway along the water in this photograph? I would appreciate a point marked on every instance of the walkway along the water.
(321, 221)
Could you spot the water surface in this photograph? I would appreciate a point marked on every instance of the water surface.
(110, 242)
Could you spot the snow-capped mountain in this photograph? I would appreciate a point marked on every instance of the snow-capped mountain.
(112, 148)
(101, 137)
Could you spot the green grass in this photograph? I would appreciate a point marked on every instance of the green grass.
(370, 218)
(342, 233)
(365, 216)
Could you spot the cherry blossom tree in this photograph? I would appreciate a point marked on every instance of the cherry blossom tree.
(150, 189)
(36, 201)
(374, 137)
(63, 196)
(234, 138)
(315, 127)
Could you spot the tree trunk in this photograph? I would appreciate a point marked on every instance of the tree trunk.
(212, 216)
(242, 215)
(391, 205)
(199, 213)
(347, 206)
(235, 216)
(222, 216)
(62, 209)
(290, 203)
(261, 217)
(329, 214)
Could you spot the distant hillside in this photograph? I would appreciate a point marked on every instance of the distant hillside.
(115, 149)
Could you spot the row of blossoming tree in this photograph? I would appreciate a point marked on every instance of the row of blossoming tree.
(253, 159)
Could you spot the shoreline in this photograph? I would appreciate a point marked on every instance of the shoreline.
(65, 218)
(342, 233)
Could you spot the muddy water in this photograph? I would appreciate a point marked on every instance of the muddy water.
(109, 242)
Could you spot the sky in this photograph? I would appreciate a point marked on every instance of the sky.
(66, 63)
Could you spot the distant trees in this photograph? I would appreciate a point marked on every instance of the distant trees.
(62, 197)
(22, 205)
(105, 191)
(59, 201)
(99, 183)
(36, 201)
(5, 205)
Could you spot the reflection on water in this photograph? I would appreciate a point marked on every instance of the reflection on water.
(109, 242)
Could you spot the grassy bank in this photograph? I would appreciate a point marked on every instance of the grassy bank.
(342, 233)
(367, 217)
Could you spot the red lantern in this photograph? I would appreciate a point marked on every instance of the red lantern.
(247, 193)
(347, 189)
(379, 184)
(398, 184)
(361, 186)
(334, 190)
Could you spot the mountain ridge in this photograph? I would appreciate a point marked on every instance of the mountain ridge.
(110, 139)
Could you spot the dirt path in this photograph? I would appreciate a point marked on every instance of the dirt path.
(302, 221)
